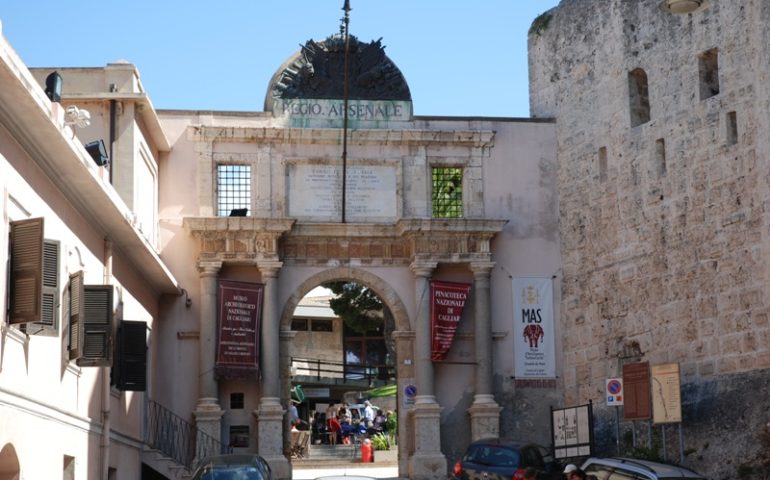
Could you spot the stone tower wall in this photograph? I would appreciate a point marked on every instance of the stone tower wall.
(664, 225)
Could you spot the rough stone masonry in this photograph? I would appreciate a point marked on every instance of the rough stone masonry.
(663, 130)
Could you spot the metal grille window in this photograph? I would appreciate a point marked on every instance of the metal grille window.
(447, 196)
(233, 190)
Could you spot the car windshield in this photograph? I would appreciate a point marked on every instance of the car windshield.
(492, 455)
(231, 473)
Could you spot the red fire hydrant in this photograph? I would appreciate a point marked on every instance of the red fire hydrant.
(367, 452)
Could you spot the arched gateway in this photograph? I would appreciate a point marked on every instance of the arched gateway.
(423, 200)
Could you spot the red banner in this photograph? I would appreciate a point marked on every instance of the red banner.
(446, 307)
(240, 312)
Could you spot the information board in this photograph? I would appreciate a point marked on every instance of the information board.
(666, 397)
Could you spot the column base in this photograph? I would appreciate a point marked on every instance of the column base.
(427, 462)
(485, 417)
(427, 467)
(270, 436)
(208, 421)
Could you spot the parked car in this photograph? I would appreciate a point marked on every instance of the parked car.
(631, 469)
(233, 466)
(502, 459)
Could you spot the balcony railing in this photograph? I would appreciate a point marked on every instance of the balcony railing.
(326, 369)
(176, 438)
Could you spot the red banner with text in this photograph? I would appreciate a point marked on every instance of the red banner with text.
(240, 314)
(446, 307)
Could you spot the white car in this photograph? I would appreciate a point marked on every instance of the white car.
(632, 469)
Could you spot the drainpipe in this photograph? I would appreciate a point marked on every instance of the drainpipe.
(105, 371)
(113, 126)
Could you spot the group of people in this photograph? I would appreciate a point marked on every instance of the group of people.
(341, 427)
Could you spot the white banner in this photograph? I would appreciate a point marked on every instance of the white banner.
(533, 328)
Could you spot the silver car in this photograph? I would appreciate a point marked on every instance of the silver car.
(631, 469)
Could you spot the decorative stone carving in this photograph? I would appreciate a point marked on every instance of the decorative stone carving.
(318, 71)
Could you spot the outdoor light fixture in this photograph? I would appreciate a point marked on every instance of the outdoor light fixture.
(77, 116)
(98, 152)
(680, 6)
(53, 84)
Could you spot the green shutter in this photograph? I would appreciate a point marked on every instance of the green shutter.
(76, 314)
(26, 270)
(97, 326)
(130, 368)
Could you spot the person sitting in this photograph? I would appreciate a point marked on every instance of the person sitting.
(378, 426)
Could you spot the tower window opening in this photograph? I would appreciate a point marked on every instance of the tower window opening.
(660, 157)
(732, 128)
(638, 97)
(708, 69)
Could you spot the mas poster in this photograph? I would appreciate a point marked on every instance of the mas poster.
(533, 327)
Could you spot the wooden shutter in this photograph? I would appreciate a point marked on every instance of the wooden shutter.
(26, 270)
(97, 326)
(130, 367)
(76, 314)
(49, 315)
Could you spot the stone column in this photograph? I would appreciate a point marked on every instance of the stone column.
(405, 374)
(484, 412)
(287, 345)
(427, 462)
(207, 412)
(270, 412)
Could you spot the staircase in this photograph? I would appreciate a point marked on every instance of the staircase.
(330, 456)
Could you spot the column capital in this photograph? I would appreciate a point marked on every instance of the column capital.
(482, 267)
(402, 334)
(269, 268)
(287, 335)
(209, 268)
(423, 268)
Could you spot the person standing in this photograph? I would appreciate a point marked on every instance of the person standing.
(368, 414)
(293, 413)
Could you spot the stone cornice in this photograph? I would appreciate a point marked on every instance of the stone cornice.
(333, 136)
(250, 240)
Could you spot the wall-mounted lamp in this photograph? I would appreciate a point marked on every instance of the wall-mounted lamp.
(77, 116)
(680, 6)
(98, 152)
(53, 84)
(187, 300)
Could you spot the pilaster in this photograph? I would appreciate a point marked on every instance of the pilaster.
(270, 425)
(207, 411)
(427, 462)
(484, 412)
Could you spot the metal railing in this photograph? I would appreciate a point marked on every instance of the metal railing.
(318, 368)
(177, 438)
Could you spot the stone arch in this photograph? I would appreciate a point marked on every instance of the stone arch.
(380, 287)
(9, 463)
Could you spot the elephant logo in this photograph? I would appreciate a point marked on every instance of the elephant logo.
(534, 333)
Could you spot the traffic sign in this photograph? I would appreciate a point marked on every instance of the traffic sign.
(614, 392)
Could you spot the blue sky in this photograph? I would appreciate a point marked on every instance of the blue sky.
(466, 58)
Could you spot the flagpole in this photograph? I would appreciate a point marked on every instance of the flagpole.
(346, 22)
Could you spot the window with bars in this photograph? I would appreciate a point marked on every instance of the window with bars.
(447, 193)
(233, 190)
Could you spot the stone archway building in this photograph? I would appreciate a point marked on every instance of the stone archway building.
(293, 238)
